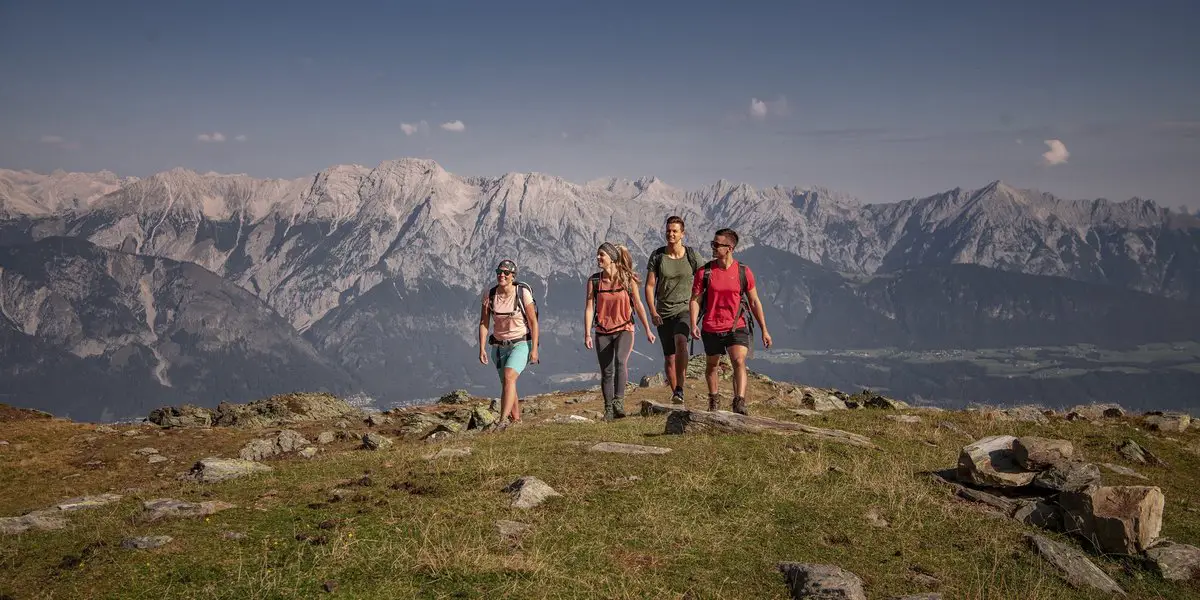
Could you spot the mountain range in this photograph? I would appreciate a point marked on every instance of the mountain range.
(372, 276)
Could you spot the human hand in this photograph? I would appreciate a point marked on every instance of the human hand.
(656, 318)
(695, 332)
(587, 341)
(650, 336)
(766, 337)
(483, 357)
(533, 356)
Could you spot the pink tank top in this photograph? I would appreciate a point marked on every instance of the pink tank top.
(508, 322)
(614, 311)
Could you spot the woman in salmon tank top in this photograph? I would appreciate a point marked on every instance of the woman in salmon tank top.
(613, 297)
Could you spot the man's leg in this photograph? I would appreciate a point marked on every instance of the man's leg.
(681, 360)
(670, 371)
(737, 359)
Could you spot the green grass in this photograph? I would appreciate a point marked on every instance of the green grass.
(708, 520)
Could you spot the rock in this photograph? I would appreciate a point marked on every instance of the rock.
(257, 450)
(342, 424)
(991, 462)
(1068, 477)
(290, 441)
(374, 441)
(420, 424)
(619, 448)
(233, 535)
(326, 437)
(1168, 422)
(1039, 454)
(213, 469)
(449, 453)
(105, 429)
(694, 421)
(285, 409)
(511, 532)
(308, 452)
(36, 521)
(657, 380)
(1114, 519)
(903, 418)
(877, 401)
(132, 433)
(146, 542)
(805, 412)
(1075, 566)
(157, 458)
(455, 397)
(874, 519)
(183, 416)
(482, 417)
(1126, 471)
(330, 586)
(168, 508)
(83, 502)
(948, 426)
(650, 408)
(1136, 453)
(821, 582)
(810, 398)
(569, 420)
(145, 451)
(1040, 514)
(1095, 412)
(1175, 562)
(528, 492)
(1026, 414)
(1003, 505)
(534, 407)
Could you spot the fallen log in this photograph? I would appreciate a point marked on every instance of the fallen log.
(681, 421)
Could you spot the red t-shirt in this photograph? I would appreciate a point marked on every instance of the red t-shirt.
(724, 297)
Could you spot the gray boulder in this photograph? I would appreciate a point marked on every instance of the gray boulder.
(1175, 562)
(213, 469)
(1114, 519)
(991, 462)
(821, 582)
(1039, 453)
(529, 491)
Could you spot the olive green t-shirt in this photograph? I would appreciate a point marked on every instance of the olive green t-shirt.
(674, 287)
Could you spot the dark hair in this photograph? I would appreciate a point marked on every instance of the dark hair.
(729, 233)
(676, 219)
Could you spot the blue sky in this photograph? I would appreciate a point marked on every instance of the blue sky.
(883, 100)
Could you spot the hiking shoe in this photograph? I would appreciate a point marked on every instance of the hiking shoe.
(677, 397)
(618, 407)
(714, 402)
(739, 405)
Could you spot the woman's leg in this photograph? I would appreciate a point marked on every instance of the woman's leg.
(606, 350)
(623, 347)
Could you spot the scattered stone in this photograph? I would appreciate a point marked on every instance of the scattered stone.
(164, 508)
(1027, 414)
(482, 417)
(455, 397)
(877, 401)
(342, 424)
(1171, 422)
(308, 452)
(131, 433)
(213, 469)
(449, 453)
(183, 416)
(650, 407)
(290, 441)
(37, 521)
(286, 441)
(1068, 477)
(619, 448)
(233, 535)
(145, 451)
(146, 542)
(529, 491)
(1040, 514)
(157, 458)
(821, 582)
(257, 450)
(330, 586)
(82, 502)
(1038, 453)
(1077, 569)
(992, 462)
(1126, 471)
(1175, 562)
(1004, 505)
(375, 420)
(374, 441)
(656, 380)
(570, 420)
(1114, 519)
(875, 519)
(326, 437)
(947, 425)
(695, 421)
(105, 429)
(1095, 412)
(903, 418)
(805, 412)
(534, 407)
(810, 398)
(1138, 454)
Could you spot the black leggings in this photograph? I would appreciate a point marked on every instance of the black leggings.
(613, 351)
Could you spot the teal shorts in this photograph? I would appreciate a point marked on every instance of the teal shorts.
(513, 357)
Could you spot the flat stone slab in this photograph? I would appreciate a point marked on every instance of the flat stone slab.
(1075, 566)
(619, 448)
(213, 469)
(1118, 469)
(36, 521)
(1175, 562)
(146, 542)
(166, 508)
(83, 502)
(821, 582)
(992, 462)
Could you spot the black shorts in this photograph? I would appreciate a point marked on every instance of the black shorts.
(715, 344)
(671, 327)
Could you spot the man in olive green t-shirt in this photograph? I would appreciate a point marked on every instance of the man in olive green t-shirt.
(669, 275)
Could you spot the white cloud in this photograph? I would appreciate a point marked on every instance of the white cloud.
(52, 139)
(215, 136)
(240, 138)
(1021, 141)
(758, 108)
(761, 109)
(420, 127)
(1057, 154)
(455, 126)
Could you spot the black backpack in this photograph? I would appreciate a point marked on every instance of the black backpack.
(656, 257)
(524, 288)
(594, 281)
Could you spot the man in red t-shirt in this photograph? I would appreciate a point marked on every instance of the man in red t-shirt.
(725, 328)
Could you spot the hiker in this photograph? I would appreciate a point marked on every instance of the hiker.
(724, 292)
(514, 339)
(668, 289)
(612, 298)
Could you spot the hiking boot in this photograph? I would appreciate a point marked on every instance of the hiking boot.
(714, 402)
(677, 396)
(739, 405)
(618, 408)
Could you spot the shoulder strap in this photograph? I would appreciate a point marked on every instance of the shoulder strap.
(492, 298)
(656, 259)
(693, 258)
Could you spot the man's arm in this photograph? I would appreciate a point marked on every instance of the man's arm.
(651, 299)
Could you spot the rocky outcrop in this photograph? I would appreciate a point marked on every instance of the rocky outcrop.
(285, 409)
(991, 461)
(1117, 519)
(213, 469)
(808, 581)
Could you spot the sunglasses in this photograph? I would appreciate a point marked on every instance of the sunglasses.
(504, 272)
(716, 245)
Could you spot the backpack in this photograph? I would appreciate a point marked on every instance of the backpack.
(656, 257)
(743, 304)
(523, 289)
(594, 280)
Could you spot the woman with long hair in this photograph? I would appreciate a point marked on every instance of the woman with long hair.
(613, 296)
